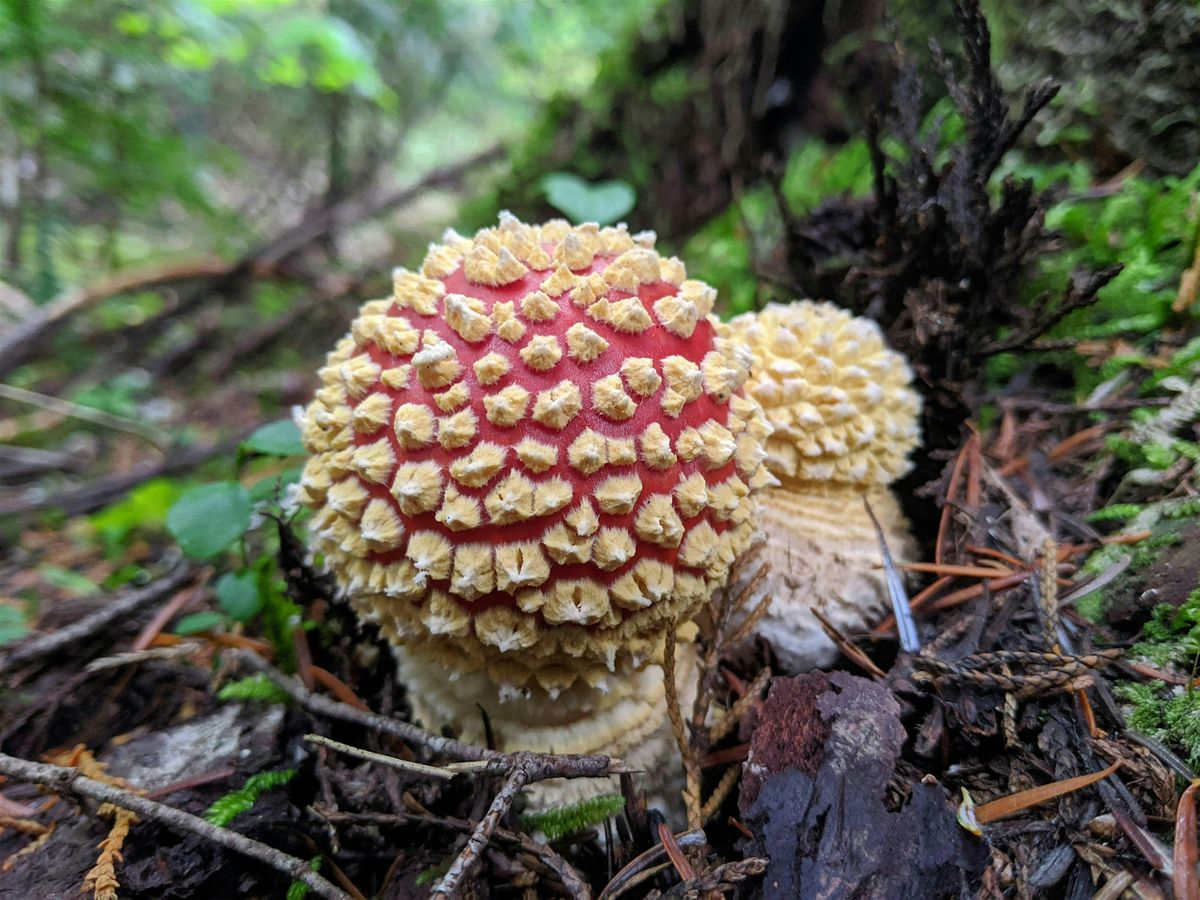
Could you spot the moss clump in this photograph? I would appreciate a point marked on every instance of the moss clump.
(1171, 719)
(575, 817)
(1172, 633)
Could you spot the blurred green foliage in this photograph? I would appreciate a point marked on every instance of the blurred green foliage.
(13, 623)
(133, 131)
(721, 252)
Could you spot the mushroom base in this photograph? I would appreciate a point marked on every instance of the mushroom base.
(624, 717)
(824, 555)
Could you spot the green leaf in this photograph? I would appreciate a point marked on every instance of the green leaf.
(198, 622)
(237, 595)
(280, 438)
(207, 519)
(12, 624)
(603, 203)
(66, 580)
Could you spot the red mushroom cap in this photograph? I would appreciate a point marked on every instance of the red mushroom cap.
(535, 457)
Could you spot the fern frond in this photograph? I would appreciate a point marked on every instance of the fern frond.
(574, 817)
(256, 687)
(233, 804)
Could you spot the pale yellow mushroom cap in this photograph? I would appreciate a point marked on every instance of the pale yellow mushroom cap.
(840, 403)
(535, 456)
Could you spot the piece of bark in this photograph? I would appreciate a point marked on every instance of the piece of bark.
(813, 792)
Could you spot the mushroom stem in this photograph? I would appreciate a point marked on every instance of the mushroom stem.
(623, 717)
(824, 555)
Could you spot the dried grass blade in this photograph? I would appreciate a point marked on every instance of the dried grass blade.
(963, 571)
(1184, 876)
(675, 853)
(1023, 800)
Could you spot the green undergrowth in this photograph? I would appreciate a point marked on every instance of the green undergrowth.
(228, 522)
(1148, 225)
(720, 253)
(1170, 716)
(241, 801)
(1171, 636)
(572, 818)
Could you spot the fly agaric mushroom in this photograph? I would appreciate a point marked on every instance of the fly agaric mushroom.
(527, 464)
(844, 418)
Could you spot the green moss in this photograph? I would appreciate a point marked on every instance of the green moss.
(1172, 719)
(1188, 509)
(575, 817)
(235, 803)
(1115, 512)
(1092, 606)
(1148, 552)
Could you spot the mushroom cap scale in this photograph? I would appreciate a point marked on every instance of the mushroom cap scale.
(534, 457)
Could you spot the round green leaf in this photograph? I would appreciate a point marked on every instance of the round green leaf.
(207, 519)
(603, 203)
(280, 438)
(237, 595)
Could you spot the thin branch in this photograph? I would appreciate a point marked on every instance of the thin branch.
(20, 342)
(570, 878)
(382, 758)
(156, 436)
(367, 205)
(102, 491)
(544, 765)
(466, 861)
(61, 780)
(37, 648)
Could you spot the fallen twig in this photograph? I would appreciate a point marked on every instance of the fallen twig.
(466, 860)
(545, 765)
(103, 491)
(571, 879)
(21, 341)
(62, 780)
(156, 436)
(44, 645)
(394, 761)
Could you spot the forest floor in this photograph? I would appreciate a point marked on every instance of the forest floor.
(173, 724)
